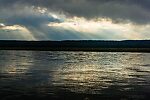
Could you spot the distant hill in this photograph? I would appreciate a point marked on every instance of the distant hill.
(78, 45)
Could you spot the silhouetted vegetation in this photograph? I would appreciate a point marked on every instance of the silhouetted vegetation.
(80, 45)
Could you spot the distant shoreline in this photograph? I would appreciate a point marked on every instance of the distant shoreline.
(83, 45)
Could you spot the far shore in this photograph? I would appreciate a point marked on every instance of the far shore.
(80, 45)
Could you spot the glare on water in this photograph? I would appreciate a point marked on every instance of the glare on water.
(77, 72)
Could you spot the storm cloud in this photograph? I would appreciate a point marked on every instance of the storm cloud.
(118, 10)
(75, 19)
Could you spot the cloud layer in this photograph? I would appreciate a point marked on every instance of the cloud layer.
(74, 19)
(134, 10)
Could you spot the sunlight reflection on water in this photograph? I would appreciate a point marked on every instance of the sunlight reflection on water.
(78, 72)
(95, 71)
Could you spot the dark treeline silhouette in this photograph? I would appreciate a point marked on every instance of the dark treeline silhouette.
(78, 45)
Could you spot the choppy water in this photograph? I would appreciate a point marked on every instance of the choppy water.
(74, 75)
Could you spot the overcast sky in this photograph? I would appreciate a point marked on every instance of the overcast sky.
(74, 19)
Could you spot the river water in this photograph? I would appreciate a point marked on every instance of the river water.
(61, 75)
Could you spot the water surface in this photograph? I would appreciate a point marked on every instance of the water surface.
(74, 75)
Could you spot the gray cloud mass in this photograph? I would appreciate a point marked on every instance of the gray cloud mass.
(118, 10)
(24, 14)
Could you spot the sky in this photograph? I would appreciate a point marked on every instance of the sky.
(74, 19)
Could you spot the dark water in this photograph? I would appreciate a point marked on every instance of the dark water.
(74, 75)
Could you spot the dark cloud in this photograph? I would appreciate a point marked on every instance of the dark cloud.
(25, 14)
(119, 10)
(37, 24)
